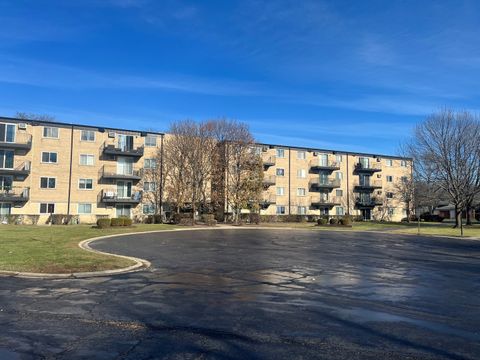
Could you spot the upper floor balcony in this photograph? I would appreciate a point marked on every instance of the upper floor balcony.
(267, 200)
(112, 197)
(18, 140)
(367, 202)
(22, 170)
(114, 172)
(369, 185)
(270, 161)
(121, 150)
(269, 181)
(366, 168)
(325, 201)
(14, 194)
(319, 164)
(323, 184)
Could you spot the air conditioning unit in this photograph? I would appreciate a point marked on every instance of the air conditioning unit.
(315, 153)
(379, 176)
(22, 126)
(378, 159)
(111, 134)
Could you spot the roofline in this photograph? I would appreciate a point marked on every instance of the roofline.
(342, 152)
(59, 123)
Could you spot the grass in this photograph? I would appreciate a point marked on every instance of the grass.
(54, 249)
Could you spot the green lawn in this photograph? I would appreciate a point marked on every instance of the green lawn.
(54, 249)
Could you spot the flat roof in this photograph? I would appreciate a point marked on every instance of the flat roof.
(309, 149)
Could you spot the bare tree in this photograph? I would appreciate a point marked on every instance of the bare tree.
(404, 190)
(157, 175)
(32, 116)
(446, 151)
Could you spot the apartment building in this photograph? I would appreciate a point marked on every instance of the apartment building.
(51, 167)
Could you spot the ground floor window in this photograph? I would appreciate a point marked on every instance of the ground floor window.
(324, 211)
(280, 210)
(302, 210)
(47, 208)
(123, 210)
(340, 210)
(5, 209)
(84, 208)
(149, 209)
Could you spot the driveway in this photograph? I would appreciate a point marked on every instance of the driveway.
(277, 294)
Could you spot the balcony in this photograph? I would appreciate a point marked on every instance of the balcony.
(116, 150)
(21, 171)
(22, 141)
(269, 181)
(267, 201)
(361, 168)
(368, 185)
(325, 202)
(112, 197)
(317, 165)
(271, 161)
(14, 194)
(108, 172)
(317, 184)
(367, 202)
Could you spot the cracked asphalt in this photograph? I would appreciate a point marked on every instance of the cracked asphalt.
(256, 294)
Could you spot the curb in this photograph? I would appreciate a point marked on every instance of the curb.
(142, 264)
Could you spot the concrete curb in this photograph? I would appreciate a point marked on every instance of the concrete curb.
(142, 264)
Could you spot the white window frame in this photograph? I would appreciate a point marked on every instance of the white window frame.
(280, 191)
(47, 205)
(50, 137)
(389, 178)
(80, 181)
(14, 132)
(150, 161)
(83, 212)
(301, 210)
(151, 209)
(340, 210)
(276, 172)
(301, 154)
(339, 175)
(299, 192)
(337, 191)
(280, 207)
(49, 162)
(88, 156)
(149, 187)
(301, 174)
(88, 132)
(338, 158)
(389, 162)
(150, 136)
(48, 182)
(403, 163)
(278, 155)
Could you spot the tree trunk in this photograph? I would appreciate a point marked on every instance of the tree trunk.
(457, 223)
(469, 219)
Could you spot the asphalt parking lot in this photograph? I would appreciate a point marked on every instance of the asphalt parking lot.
(248, 294)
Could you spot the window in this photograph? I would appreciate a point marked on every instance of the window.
(149, 209)
(301, 173)
(87, 135)
(50, 132)
(302, 210)
(280, 153)
(49, 157)
(338, 158)
(389, 162)
(7, 133)
(84, 208)
(280, 210)
(47, 182)
(404, 179)
(150, 164)
(338, 192)
(391, 211)
(47, 208)
(85, 184)
(389, 195)
(6, 159)
(86, 159)
(280, 172)
(389, 178)
(151, 140)
(301, 155)
(339, 175)
(403, 163)
(340, 210)
(280, 191)
(301, 192)
(149, 186)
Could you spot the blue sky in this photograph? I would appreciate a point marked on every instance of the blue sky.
(350, 75)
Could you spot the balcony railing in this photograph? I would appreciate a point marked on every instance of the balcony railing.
(111, 196)
(22, 170)
(14, 194)
(268, 200)
(366, 168)
(318, 164)
(113, 172)
(269, 180)
(321, 201)
(317, 184)
(116, 150)
(22, 141)
(367, 202)
(368, 185)
(271, 161)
